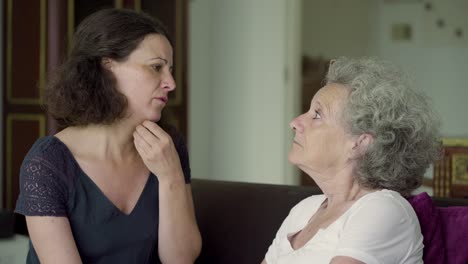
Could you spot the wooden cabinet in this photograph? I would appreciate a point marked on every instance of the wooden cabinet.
(450, 177)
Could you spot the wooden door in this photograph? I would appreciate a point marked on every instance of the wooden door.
(25, 62)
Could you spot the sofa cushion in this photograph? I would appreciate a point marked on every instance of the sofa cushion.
(455, 229)
(431, 228)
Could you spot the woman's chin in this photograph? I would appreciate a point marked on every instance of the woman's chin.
(155, 117)
(292, 158)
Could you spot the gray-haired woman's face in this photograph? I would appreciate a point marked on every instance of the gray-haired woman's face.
(321, 143)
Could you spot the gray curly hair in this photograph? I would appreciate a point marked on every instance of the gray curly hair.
(383, 103)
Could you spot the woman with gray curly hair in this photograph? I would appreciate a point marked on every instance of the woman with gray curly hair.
(366, 141)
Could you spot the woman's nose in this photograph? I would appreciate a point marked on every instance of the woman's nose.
(169, 82)
(294, 124)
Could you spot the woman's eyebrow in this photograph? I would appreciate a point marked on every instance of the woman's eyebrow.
(159, 58)
(319, 104)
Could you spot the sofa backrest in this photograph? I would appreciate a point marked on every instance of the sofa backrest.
(238, 221)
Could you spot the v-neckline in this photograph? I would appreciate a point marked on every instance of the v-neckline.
(322, 230)
(115, 207)
(86, 176)
(299, 229)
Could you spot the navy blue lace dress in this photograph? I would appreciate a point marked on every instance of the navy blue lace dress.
(52, 184)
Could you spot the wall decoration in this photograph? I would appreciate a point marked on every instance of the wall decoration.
(445, 23)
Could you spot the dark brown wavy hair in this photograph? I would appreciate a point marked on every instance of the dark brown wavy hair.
(82, 91)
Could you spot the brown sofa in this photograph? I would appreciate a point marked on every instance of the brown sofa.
(239, 220)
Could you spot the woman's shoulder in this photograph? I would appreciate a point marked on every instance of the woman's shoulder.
(388, 197)
(45, 147)
(380, 226)
(49, 152)
(47, 176)
(310, 202)
(387, 204)
(307, 207)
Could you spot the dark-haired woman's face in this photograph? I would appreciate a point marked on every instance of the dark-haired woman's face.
(145, 78)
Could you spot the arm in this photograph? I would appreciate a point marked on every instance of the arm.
(57, 248)
(49, 228)
(179, 237)
(345, 260)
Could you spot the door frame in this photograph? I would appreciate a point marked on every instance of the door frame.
(293, 79)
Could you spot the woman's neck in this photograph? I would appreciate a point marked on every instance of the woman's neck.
(340, 186)
(102, 142)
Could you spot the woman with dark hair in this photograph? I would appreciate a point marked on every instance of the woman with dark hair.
(366, 141)
(112, 186)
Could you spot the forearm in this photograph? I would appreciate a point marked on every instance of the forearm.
(179, 237)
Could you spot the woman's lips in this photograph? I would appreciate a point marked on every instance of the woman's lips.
(162, 98)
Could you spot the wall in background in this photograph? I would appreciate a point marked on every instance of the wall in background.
(434, 56)
(241, 98)
(240, 101)
(338, 27)
(2, 122)
(437, 58)
(200, 75)
(432, 53)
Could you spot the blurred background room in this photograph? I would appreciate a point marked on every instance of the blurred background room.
(253, 65)
(244, 69)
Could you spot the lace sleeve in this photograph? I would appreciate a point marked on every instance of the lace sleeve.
(42, 191)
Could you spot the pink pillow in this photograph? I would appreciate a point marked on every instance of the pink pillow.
(455, 226)
(431, 228)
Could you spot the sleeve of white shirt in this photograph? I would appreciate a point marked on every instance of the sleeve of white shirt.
(289, 222)
(380, 230)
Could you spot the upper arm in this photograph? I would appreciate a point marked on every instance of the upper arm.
(43, 199)
(44, 188)
(52, 239)
(345, 260)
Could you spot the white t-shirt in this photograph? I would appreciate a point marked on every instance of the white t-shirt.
(381, 227)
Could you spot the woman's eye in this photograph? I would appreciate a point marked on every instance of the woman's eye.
(157, 67)
(317, 115)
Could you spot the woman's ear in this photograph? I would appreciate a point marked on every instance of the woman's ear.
(361, 144)
(107, 63)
